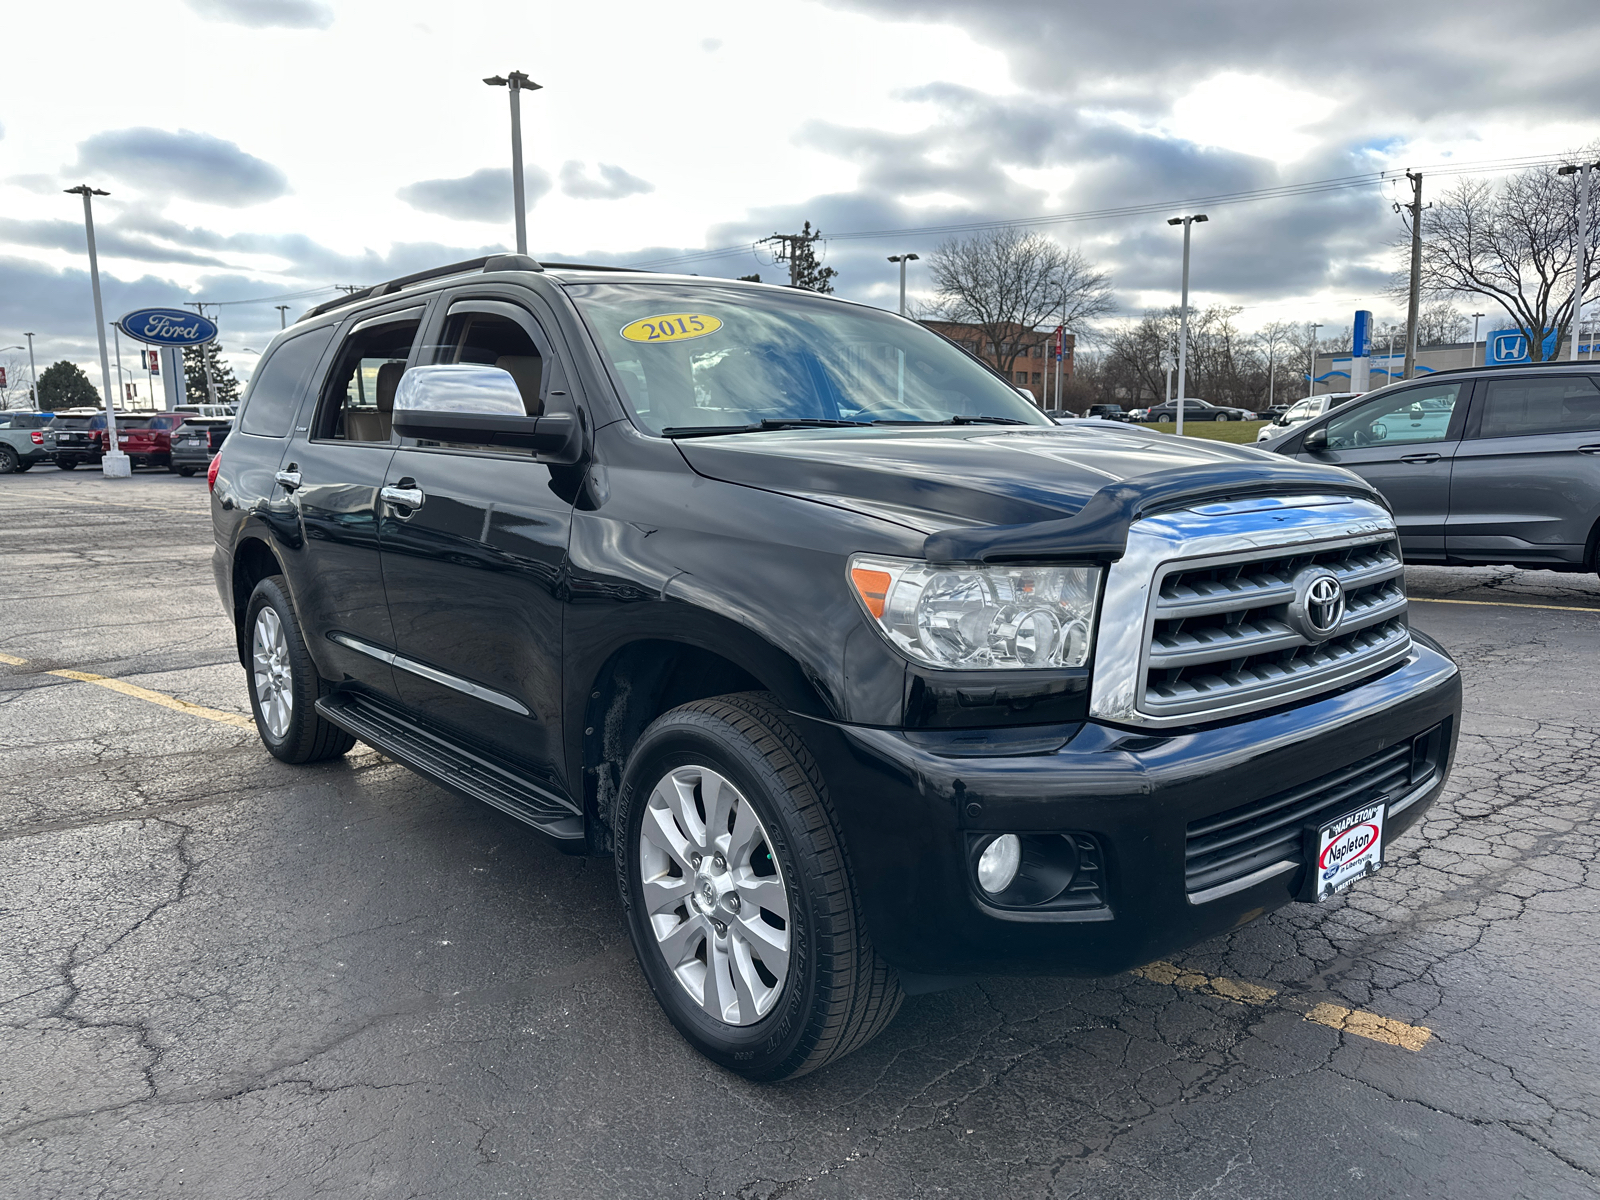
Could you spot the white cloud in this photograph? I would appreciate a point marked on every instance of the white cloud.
(1249, 114)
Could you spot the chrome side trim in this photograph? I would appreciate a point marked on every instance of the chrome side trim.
(1415, 794)
(1229, 531)
(1239, 885)
(411, 665)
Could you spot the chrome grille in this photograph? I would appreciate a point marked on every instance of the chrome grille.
(1219, 637)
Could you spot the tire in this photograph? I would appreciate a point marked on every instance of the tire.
(835, 993)
(1222, 417)
(22, 466)
(277, 663)
(186, 472)
(66, 464)
(8, 460)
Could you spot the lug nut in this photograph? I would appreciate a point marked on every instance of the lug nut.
(694, 861)
(722, 930)
(720, 863)
(733, 903)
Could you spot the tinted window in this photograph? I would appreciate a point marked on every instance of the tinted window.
(358, 397)
(280, 382)
(1418, 414)
(1555, 404)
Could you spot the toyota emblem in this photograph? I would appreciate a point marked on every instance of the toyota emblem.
(1318, 604)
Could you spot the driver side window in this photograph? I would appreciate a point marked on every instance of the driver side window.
(1418, 414)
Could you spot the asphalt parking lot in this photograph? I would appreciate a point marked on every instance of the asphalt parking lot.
(224, 977)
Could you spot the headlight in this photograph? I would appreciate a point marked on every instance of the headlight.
(975, 617)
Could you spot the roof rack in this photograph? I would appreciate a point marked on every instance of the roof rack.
(555, 266)
(492, 262)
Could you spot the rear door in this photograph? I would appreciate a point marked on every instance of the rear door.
(1526, 484)
(475, 571)
(1403, 442)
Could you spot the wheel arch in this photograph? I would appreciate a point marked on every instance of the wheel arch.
(253, 561)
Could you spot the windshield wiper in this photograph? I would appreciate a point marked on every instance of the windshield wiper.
(965, 420)
(759, 426)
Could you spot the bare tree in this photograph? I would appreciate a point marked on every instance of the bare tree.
(15, 393)
(1512, 242)
(1008, 282)
(1275, 338)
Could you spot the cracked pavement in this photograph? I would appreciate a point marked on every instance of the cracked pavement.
(224, 977)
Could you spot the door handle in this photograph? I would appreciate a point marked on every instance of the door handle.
(1419, 458)
(1589, 449)
(405, 494)
(289, 479)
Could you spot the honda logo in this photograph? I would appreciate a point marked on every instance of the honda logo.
(1318, 604)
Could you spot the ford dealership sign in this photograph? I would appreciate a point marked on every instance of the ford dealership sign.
(168, 327)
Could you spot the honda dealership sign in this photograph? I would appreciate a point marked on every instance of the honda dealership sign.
(1507, 347)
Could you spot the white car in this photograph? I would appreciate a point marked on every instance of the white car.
(1306, 410)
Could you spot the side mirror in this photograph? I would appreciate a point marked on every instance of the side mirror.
(480, 406)
(1316, 440)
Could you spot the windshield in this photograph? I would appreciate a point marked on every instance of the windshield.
(700, 356)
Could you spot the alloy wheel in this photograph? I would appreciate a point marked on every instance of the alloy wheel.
(714, 895)
(274, 679)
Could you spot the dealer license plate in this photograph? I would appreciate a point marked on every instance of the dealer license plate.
(1347, 849)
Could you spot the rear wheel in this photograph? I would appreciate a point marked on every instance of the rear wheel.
(283, 682)
(186, 472)
(739, 896)
(1222, 417)
(8, 460)
(22, 466)
(66, 464)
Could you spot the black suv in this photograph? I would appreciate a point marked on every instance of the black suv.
(870, 676)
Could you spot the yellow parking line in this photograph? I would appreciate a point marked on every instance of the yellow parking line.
(161, 698)
(13, 661)
(1503, 604)
(1346, 1020)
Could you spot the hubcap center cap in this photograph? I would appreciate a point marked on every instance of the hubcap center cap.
(705, 892)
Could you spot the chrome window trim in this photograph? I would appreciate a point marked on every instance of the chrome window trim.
(411, 665)
(1212, 532)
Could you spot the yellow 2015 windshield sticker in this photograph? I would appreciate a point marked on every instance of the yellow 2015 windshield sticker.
(671, 327)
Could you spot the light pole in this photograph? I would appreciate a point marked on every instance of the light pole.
(115, 463)
(33, 374)
(902, 259)
(1582, 172)
(1311, 372)
(116, 342)
(517, 83)
(1183, 312)
(1475, 319)
(283, 315)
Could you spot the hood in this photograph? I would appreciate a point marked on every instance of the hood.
(943, 477)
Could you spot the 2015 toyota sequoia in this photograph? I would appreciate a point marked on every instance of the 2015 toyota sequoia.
(871, 677)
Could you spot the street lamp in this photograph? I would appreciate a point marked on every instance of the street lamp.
(116, 342)
(33, 375)
(1183, 311)
(517, 83)
(115, 464)
(902, 259)
(1582, 172)
(283, 315)
(1475, 319)
(1311, 372)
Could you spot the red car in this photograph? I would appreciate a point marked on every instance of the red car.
(147, 441)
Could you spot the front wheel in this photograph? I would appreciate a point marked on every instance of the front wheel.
(738, 892)
(66, 464)
(8, 460)
(283, 682)
(1223, 417)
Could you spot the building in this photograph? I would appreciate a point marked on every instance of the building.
(1034, 365)
(1386, 367)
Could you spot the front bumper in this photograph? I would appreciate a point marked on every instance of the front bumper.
(910, 803)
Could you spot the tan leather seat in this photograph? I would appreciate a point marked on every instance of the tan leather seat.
(374, 426)
(527, 370)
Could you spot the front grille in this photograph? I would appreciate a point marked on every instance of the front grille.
(1220, 638)
(1234, 845)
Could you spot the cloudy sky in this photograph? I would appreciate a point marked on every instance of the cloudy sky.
(258, 150)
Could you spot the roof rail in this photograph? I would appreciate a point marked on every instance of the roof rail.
(491, 262)
(555, 266)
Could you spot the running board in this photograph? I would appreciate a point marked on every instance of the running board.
(452, 766)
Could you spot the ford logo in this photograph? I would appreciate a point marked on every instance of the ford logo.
(168, 327)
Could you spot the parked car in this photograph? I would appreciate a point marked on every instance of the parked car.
(871, 677)
(147, 439)
(22, 440)
(206, 410)
(1302, 411)
(1480, 465)
(1197, 410)
(196, 441)
(1061, 415)
(78, 435)
(1111, 412)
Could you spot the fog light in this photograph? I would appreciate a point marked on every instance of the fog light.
(998, 864)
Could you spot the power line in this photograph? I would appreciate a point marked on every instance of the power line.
(1253, 195)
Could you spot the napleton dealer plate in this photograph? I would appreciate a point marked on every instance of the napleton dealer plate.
(1347, 849)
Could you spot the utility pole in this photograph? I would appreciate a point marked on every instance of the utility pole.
(1311, 372)
(1580, 280)
(516, 83)
(902, 259)
(33, 375)
(114, 463)
(1413, 303)
(1183, 312)
(205, 360)
(283, 315)
(1475, 318)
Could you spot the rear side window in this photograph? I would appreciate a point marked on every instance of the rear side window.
(1555, 404)
(280, 382)
(1418, 414)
